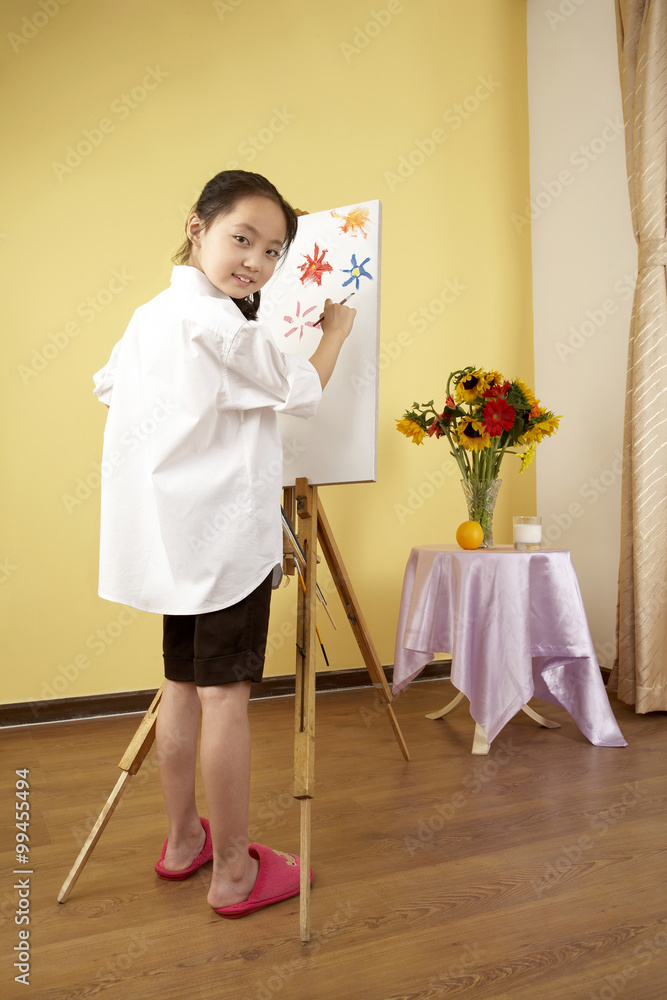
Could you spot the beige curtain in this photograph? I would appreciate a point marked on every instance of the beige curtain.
(640, 672)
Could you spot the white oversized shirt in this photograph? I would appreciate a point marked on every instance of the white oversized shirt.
(192, 460)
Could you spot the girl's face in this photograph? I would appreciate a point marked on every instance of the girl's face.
(239, 250)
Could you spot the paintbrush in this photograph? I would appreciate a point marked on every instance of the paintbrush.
(301, 559)
(340, 304)
(303, 586)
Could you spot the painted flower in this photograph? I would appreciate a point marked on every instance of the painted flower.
(498, 416)
(357, 219)
(300, 321)
(315, 266)
(411, 429)
(356, 271)
(472, 435)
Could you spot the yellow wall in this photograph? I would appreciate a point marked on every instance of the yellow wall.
(169, 94)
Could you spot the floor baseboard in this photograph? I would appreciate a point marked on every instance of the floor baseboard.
(28, 713)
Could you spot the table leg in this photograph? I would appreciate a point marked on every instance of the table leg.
(448, 708)
(540, 718)
(480, 741)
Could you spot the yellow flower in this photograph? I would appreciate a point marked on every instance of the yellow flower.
(472, 435)
(543, 428)
(528, 393)
(493, 378)
(470, 387)
(411, 429)
(527, 457)
(549, 425)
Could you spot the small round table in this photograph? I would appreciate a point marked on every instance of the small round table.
(515, 625)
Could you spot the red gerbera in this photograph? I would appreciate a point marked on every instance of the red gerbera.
(497, 390)
(498, 416)
(435, 427)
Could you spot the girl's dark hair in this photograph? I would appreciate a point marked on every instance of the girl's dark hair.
(219, 196)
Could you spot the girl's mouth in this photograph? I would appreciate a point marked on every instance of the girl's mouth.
(243, 280)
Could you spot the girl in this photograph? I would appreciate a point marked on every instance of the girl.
(191, 523)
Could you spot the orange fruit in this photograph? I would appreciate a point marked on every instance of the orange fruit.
(469, 535)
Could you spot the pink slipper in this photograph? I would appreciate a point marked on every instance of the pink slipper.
(278, 878)
(203, 858)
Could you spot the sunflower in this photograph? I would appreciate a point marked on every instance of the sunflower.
(472, 435)
(498, 416)
(411, 429)
(494, 380)
(472, 385)
(526, 392)
(527, 457)
(545, 427)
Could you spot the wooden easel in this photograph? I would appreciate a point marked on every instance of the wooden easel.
(313, 527)
(129, 764)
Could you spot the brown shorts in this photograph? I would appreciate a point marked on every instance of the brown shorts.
(219, 647)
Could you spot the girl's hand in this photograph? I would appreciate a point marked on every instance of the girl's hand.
(337, 318)
(336, 324)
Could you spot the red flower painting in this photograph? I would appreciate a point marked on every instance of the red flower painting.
(314, 268)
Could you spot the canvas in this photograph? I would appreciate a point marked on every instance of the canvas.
(335, 253)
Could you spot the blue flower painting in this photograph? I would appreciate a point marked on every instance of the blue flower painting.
(356, 271)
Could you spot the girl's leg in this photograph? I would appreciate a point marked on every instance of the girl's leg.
(225, 767)
(176, 741)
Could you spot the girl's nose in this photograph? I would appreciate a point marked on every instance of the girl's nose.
(252, 260)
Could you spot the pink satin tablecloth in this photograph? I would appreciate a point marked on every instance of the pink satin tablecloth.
(515, 625)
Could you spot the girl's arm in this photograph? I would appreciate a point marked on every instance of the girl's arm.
(337, 322)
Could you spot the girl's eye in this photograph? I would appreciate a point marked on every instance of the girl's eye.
(241, 239)
(274, 253)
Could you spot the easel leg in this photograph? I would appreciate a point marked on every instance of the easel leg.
(356, 619)
(129, 764)
(304, 702)
(314, 527)
(304, 897)
(94, 836)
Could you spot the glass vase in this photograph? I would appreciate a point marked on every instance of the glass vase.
(481, 497)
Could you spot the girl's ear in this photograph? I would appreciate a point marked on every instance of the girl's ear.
(194, 228)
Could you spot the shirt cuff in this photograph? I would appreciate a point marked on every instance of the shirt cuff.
(305, 388)
(103, 380)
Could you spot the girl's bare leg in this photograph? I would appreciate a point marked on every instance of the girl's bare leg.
(176, 742)
(225, 767)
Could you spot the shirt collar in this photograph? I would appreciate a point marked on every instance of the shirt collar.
(186, 276)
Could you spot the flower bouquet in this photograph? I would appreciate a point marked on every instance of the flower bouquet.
(484, 418)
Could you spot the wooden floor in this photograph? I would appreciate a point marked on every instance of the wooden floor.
(536, 872)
